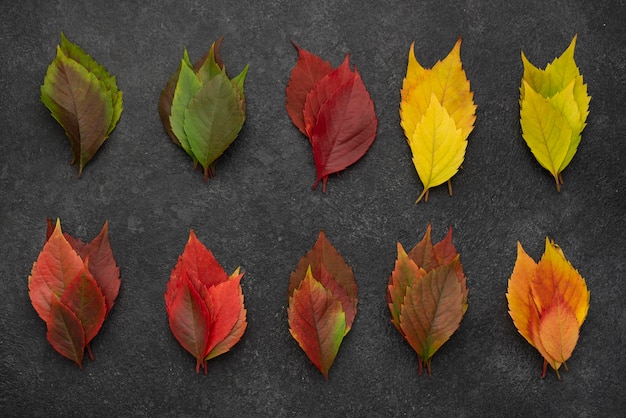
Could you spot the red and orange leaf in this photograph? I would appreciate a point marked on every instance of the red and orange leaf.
(225, 303)
(518, 293)
(55, 268)
(190, 320)
(324, 253)
(558, 331)
(423, 254)
(317, 322)
(65, 332)
(345, 129)
(432, 312)
(200, 264)
(338, 292)
(84, 298)
(308, 71)
(323, 90)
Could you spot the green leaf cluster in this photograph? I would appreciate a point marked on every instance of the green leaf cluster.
(202, 109)
(554, 105)
(83, 97)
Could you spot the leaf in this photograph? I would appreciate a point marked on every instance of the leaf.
(432, 311)
(202, 109)
(317, 322)
(427, 295)
(554, 106)
(65, 332)
(190, 321)
(72, 282)
(333, 109)
(84, 298)
(437, 113)
(548, 303)
(308, 71)
(55, 268)
(83, 97)
(329, 268)
(204, 306)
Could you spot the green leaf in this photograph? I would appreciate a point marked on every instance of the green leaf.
(213, 120)
(209, 68)
(186, 88)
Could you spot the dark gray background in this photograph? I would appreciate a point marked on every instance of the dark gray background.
(260, 213)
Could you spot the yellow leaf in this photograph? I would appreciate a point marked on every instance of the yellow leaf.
(546, 131)
(438, 147)
(447, 80)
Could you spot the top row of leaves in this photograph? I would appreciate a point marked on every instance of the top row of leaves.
(203, 110)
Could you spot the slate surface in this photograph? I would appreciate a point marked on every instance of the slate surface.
(259, 211)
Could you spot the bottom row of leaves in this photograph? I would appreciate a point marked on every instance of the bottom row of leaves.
(73, 286)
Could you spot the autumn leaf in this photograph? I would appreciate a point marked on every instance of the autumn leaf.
(437, 113)
(83, 97)
(204, 305)
(333, 109)
(322, 303)
(427, 295)
(554, 106)
(548, 302)
(72, 294)
(202, 109)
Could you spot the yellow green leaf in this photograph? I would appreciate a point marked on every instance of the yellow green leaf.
(562, 86)
(546, 131)
(438, 147)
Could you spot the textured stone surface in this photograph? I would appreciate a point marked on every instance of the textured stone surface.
(260, 212)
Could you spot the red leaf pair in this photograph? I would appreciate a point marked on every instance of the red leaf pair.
(333, 109)
(204, 305)
(73, 286)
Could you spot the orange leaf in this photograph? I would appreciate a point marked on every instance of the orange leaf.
(548, 303)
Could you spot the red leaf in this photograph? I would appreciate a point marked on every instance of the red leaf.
(102, 265)
(65, 332)
(324, 89)
(200, 264)
(204, 305)
(308, 71)
(84, 298)
(336, 275)
(225, 303)
(345, 129)
(55, 268)
(317, 322)
(190, 320)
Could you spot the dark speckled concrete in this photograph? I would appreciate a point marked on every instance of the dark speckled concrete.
(260, 212)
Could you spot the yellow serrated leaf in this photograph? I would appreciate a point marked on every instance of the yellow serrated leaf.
(546, 131)
(438, 147)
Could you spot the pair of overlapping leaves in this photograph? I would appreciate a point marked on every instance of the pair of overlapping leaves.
(322, 303)
(204, 305)
(427, 295)
(83, 97)
(437, 113)
(72, 287)
(203, 110)
(548, 302)
(554, 105)
(333, 109)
